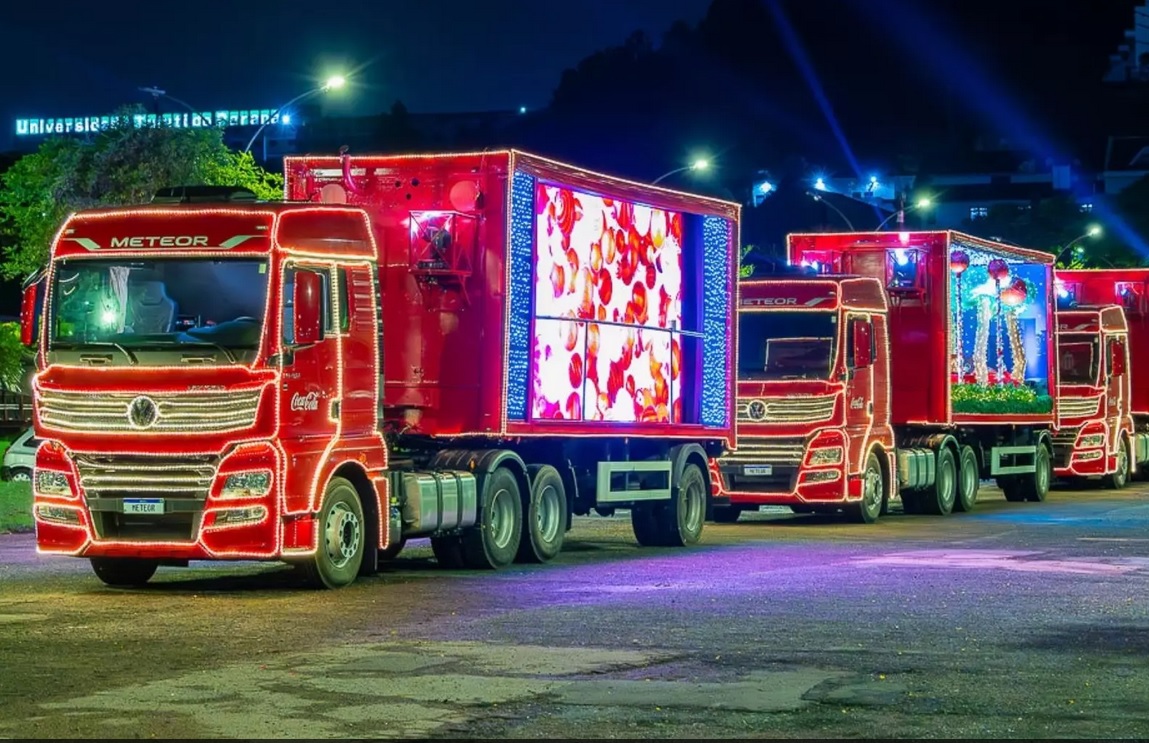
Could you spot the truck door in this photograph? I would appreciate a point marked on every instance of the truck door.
(309, 388)
(1117, 389)
(860, 349)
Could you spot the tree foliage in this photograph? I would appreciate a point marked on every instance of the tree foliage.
(125, 164)
(14, 358)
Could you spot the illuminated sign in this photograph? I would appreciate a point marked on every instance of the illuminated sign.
(185, 120)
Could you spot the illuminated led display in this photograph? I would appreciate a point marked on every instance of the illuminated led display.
(998, 322)
(608, 305)
(183, 120)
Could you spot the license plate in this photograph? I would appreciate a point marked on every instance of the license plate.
(758, 470)
(150, 506)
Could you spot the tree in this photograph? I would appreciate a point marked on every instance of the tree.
(14, 358)
(125, 164)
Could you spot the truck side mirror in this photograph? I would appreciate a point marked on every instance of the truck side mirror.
(1116, 359)
(863, 345)
(307, 306)
(29, 317)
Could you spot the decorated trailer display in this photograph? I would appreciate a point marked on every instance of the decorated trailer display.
(1104, 361)
(904, 364)
(467, 347)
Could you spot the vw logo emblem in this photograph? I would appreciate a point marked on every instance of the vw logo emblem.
(756, 410)
(142, 413)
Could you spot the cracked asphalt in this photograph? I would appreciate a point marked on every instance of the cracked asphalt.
(1014, 621)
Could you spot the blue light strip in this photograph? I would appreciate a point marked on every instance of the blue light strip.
(716, 303)
(520, 283)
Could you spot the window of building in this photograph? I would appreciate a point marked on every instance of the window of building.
(1087, 208)
(978, 212)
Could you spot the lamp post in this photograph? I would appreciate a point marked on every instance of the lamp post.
(1093, 231)
(158, 93)
(923, 203)
(333, 83)
(818, 197)
(699, 164)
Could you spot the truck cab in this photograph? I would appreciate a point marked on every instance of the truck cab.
(813, 398)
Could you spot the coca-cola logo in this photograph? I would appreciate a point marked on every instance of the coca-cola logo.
(310, 401)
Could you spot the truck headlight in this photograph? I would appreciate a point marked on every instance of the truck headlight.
(246, 485)
(1092, 441)
(50, 482)
(826, 457)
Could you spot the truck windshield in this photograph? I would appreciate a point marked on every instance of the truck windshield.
(786, 345)
(159, 303)
(1078, 362)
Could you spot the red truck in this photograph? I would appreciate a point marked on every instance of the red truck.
(1104, 372)
(467, 347)
(911, 364)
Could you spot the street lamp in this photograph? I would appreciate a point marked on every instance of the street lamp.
(335, 82)
(699, 164)
(923, 203)
(158, 93)
(1093, 231)
(818, 197)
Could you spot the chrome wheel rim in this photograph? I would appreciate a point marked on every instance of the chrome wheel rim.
(343, 534)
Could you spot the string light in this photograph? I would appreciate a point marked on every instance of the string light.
(520, 285)
(718, 321)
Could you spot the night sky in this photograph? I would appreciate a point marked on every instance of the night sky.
(434, 55)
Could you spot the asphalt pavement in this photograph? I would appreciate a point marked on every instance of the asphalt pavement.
(1019, 620)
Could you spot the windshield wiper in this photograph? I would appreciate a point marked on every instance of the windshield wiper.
(131, 356)
(202, 342)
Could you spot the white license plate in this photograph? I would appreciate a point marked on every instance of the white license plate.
(758, 470)
(151, 506)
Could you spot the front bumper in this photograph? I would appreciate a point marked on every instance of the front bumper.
(784, 472)
(1082, 452)
(170, 508)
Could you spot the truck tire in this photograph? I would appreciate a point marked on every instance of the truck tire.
(968, 481)
(494, 541)
(1119, 479)
(1035, 487)
(448, 552)
(545, 516)
(869, 509)
(124, 572)
(342, 538)
(940, 501)
(684, 514)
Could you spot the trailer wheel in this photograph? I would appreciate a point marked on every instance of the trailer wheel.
(1119, 479)
(494, 541)
(969, 480)
(726, 514)
(123, 572)
(545, 521)
(448, 552)
(1035, 487)
(941, 501)
(342, 537)
(873, 493)
(683, 515)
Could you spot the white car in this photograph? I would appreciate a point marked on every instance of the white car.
(20, 458)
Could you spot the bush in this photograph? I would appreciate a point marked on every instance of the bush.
(999, 400)
(15, 507)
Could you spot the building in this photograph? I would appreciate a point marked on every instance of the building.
(1130, 63)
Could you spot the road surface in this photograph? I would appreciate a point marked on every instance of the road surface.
(1015, 621)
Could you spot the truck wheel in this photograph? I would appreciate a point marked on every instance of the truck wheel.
(545, 522)
(644, 520)
(342, 538)
(448, 552)
(123, 572)
(683, 515)
(726, 514)
(1035, 487)
(873, 493)
(494, 541)
(1120, 478)
(941, 501)
(969, 480)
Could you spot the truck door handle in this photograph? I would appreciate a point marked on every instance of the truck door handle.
(335, 409)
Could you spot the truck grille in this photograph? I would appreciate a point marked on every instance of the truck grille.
(160, 477)
(1078, 407)
(756, 450)
(797, 409)
(1063, 442)
(178, 412)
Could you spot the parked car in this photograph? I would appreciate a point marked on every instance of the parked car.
(20, 458)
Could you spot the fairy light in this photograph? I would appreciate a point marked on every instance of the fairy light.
(520, 285)
(716, 321)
